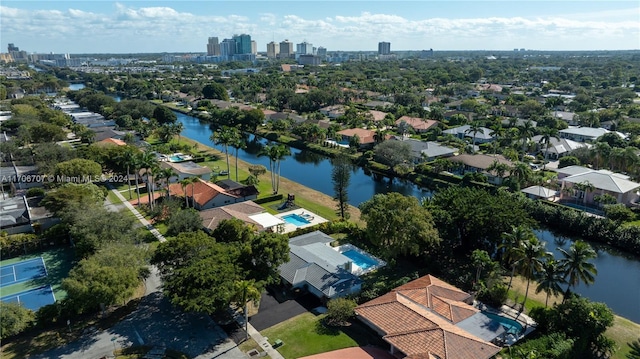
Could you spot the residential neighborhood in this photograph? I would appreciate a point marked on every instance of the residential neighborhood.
(316, 203)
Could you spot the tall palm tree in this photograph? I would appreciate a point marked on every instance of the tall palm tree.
(547, 134)
(474, 128)
(550, 278)
(576, 265)
(138, 165)
(245, 290)
(525, 132)
(224, 136)
(127, 159)
(275, 152)
(238, 143)
(149, 163)
(499, 168)
(511, 242)
(184, 183)
(521, 173)
(166, 174)
(531, 252)
(497, 132)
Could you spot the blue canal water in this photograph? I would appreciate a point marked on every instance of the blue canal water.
(617, 282)
(308, 168)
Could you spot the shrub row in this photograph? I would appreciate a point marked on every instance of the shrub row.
(272, 198)
(571, 222)
(331, 227)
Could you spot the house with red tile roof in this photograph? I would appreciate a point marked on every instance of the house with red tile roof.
(205, 195)
(377, 116)
(366, 137)
(429, 318)
(113, 141)
(418, 124)
(248, 212)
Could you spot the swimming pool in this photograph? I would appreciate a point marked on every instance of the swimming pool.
(510, 325)
(175, 158)
(295, 219)
(361, 260)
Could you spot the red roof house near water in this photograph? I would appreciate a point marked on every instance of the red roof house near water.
(418, 320)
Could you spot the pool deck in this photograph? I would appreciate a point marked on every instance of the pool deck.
(506, 311)
(312, 218)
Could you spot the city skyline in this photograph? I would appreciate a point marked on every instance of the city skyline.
(100, 27)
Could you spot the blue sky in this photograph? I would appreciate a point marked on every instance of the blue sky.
(184, 26)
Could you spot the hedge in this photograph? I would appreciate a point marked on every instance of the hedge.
(272, 198)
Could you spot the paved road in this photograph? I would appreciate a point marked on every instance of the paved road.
(154, 322)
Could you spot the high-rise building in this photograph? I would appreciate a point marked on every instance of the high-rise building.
(12, 48)
(228, 48)
(213, 47)
(304, 48)
(254, 47)
(243, 43)
(384, 48)
(321, 52)
(286, 49)
(273, 49)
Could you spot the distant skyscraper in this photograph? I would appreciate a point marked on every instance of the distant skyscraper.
(243, 43)
(286, 49)
(12, 48)
(273, 49)
(304, 48)
(228, 48)
(321, 52)
(384, 48)
(213, 47)
(254, 47)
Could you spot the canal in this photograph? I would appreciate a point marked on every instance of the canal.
(617, 283)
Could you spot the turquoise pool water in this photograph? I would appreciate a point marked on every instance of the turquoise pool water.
(175, 158)
(510, 325)
(295, 219)
(361, 260)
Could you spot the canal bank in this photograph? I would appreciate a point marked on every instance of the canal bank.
(619, 287)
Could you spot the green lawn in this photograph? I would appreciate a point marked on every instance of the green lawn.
(306, 335)
(58, 263)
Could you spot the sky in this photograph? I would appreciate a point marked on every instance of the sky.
(100, 26)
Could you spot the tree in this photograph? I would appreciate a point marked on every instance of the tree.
(91, 227)
(568, 161)
(511, 241)
(215, 91)
(531, 253)
(111, 276)
(392, 153)
(149, 163)
(237, 143)
(576, 266)
(257, 171)
(547, 134)
(474, 128)
(480, 259)
(251, 119)
(549, 279)
(164, 115)
(226, 136)
(72, 194)
(198, 273)
(635, 349)
(525, 132)
(520, 174)
(398, 224)
(184, 183)
(185, 220)
(341, 175)
(276, 153)
(46, 132)
(14, 319)
(340, 310)
(245, 291)
(127, 159)
(78, 170)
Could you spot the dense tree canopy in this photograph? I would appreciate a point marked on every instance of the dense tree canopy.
(78, 170)
(398, 224)
(14, 318)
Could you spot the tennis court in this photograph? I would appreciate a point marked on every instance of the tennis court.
(32, 299)
(22, 271)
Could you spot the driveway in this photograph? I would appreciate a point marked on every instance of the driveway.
(272, 312)
(155, 322)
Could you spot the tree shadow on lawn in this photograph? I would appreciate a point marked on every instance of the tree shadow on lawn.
(354, 329)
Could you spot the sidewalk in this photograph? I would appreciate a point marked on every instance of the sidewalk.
(262, 341)
(137, 214)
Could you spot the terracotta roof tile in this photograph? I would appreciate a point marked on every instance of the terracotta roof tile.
(203, 191)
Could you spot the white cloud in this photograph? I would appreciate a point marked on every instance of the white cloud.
(157, 29)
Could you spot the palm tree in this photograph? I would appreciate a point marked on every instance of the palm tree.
(225, 137)
(499, 168)
(127, 159)
(585, 187)
(497, 132)
(149, 163)
(275, 152)
(525, 132)
(521, 173)
(245, 290)
(137, 165)
(576, 265)
(184, 183)
(531, 252)
(510, 243)
(549, 279)
(166, 174)
(474, 128)
(238, 143)
(547, 134)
